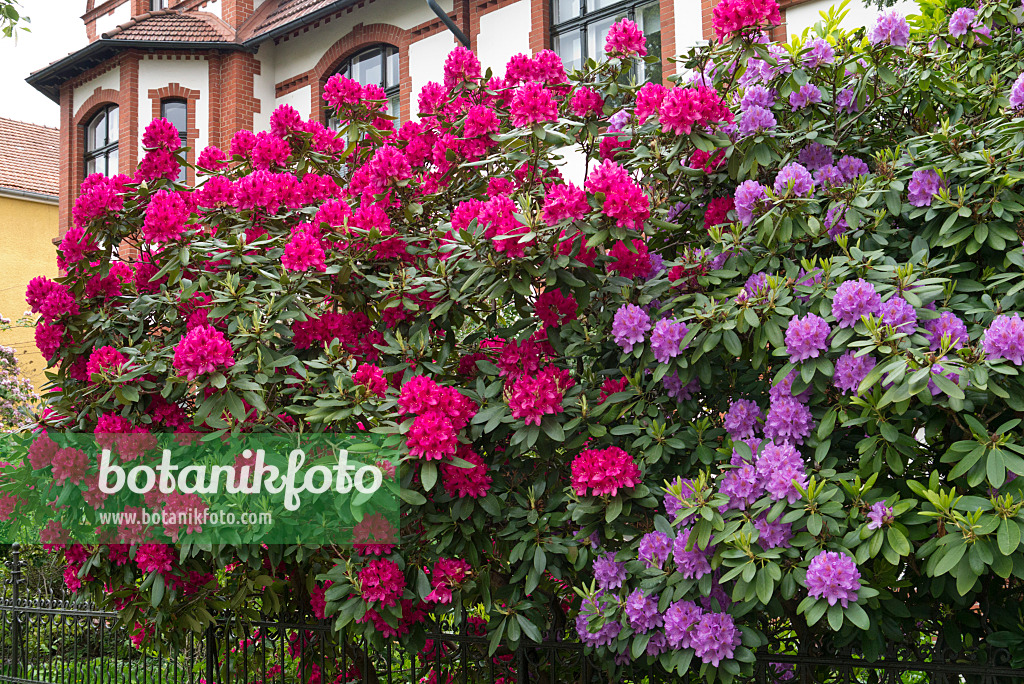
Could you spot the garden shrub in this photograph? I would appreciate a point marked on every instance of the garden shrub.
(761, 365)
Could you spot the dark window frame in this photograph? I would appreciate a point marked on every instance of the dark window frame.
(182, 132)
(585, 18)
(391, 92)
(103, 151)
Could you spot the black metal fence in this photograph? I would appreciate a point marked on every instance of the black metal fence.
(46, 639)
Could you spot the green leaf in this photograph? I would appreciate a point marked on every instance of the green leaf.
(835, 617)
(529, 629)
(765, 587)
(1008, 537)
(411, 497)
(954, 553)
(732, 343)
(158, 590)
(898, 542)
(614, 509)
(858, 617)
(428, 475)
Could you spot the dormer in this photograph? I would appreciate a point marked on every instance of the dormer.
(103, 16)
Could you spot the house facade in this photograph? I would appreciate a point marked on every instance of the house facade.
(28, 226)
(213, 67)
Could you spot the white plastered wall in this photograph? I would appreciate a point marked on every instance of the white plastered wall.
(110, 79)
(426, 63)
(263, 88)
(689, 31)
(503, 33)
(214, 7)
(859, 13)
(193, 74)
(298, 55)
(298, 99)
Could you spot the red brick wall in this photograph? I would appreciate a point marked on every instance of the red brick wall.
(238, 103)
(191, 97)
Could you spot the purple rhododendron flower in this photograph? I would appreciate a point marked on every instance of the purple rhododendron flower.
(741, 419)
(715, 638)
(780, 466)
(880, 515)
(789, 420)
(960, 22)
(807, 95)
(846, 101)
(784, 389)
(851, 371)
(854, 299)
(742, 485)
(608, 573)
(605, 635)
(852, 167)
(821, 53)
(749, 196)
(755, 119)
(947, 324)
(1017, 93)
(695, 563)
(924, 184)
(900, 314)
(806, 337)
(757, 96)
(796, 175)
(835, 220)
(834, 577)
(773, 535)
(654, 549)
(618, 121)
(675, 388)
(891, 28)
(629, 327)
(1004, 339)
(642, 612)
(680, 620)
(937, 369)
(815, 156)
(667, 339)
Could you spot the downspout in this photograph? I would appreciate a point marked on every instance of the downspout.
(452, 26)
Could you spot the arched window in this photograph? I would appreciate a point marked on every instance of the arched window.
(175, 110)
(581, 26)
(101, 134)
(377, 65)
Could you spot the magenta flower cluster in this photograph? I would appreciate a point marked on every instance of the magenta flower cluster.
(807, 337)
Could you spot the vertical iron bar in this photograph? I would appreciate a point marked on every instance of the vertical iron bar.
(15, 565)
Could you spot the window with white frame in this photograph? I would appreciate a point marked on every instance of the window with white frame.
(101, 135)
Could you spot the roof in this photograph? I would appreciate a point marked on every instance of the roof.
(185, 27)
(282, 12)
(276, 17)
(29, 155)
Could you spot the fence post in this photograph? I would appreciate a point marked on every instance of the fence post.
(14, 563)
(211, 653)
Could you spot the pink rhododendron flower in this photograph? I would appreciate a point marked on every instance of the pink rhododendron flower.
(460, 482)
(625, 39)
(532, 103)
(603, 471)
(166, 216)
(202, 350)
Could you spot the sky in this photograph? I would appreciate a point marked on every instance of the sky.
(56, 30)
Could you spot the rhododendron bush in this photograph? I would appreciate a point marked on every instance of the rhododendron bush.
(760, 366)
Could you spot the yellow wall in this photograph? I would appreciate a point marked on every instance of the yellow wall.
(26, 250)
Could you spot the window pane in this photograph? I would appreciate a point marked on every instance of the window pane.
(597, 33)
(96, 134)
(112, 126)
(369, 69)
(90, 166)
(569, 47)
(566, 9)
(112, 162)
(593, 5)
(394, 105)
(648, 17)
(393, 69)
(176, 112)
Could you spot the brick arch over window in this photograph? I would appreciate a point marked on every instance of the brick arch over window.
(359, 38)
(191, 97)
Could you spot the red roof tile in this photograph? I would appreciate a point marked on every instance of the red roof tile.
(29, 155)
(172, 25)
(276, 13)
